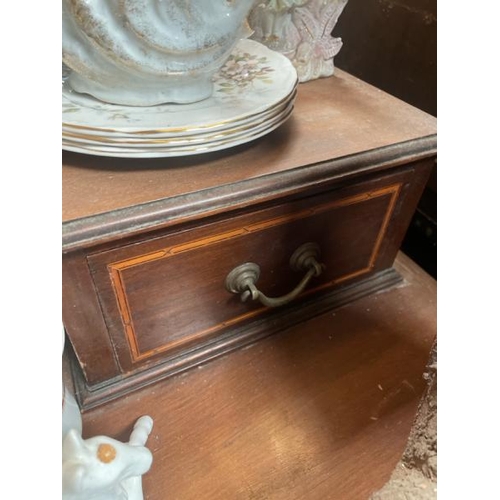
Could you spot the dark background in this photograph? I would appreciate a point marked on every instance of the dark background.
(392, 44)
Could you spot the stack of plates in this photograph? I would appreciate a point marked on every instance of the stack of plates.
(254, 93)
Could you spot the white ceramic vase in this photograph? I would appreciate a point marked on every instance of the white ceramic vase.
(147, 52)
(301, 30)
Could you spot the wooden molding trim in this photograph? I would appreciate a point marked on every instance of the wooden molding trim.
(132, 221)
(93, 396)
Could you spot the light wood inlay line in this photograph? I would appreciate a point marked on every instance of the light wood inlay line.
(116, 268)
(259, 226)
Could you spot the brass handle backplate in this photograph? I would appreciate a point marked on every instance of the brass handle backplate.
(243, 278)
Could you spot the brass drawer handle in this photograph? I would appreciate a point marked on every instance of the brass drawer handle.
(242, 278)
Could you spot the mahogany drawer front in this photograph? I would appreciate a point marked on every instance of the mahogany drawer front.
(165, 296)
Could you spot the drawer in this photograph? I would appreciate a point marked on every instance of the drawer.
(165, 297)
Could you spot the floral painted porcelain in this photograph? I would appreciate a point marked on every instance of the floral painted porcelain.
(254, 93)
(301, 30)
(148, 52)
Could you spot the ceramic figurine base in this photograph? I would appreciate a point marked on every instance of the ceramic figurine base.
(71, 416)
(138, 92)
(102, 468)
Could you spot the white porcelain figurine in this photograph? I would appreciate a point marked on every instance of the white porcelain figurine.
(102, 468)
(300, 30)
(147, 52)
(71, 416)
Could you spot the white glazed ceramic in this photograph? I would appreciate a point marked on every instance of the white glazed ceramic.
(162, 151)
(235, 131)
(147, 52)
(301, 30)
(102, 468)
(218, 131)
(253, 94)
(71, 416)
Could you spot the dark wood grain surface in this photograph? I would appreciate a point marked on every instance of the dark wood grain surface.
(132, 319)
(319, 411)
(163, 299)
(166, 293)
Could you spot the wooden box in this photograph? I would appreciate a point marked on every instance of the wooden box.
(148, 244)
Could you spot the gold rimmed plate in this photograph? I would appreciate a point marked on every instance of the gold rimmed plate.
(235, 131)
(193, 149)
(253, 81)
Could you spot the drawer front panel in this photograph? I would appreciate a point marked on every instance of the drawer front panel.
(167, 296)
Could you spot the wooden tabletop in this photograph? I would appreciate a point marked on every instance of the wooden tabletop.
(334, 117)
(319, 411)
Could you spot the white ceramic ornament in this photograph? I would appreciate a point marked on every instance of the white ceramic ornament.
(102, 468)
(300, 30)
(147, 52)
(71, 416)
(254, 93)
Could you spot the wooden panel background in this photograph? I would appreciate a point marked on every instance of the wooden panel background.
(392, 44)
